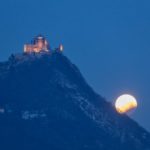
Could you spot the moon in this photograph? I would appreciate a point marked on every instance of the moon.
(125, 103)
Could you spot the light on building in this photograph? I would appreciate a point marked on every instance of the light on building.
(61, 47)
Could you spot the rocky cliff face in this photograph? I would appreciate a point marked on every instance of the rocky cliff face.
(45, 103)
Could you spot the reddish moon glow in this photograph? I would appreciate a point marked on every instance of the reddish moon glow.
(125, 103)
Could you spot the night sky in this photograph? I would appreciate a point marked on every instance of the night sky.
(108, 40)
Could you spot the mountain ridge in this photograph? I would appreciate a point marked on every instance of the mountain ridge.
(45, 90)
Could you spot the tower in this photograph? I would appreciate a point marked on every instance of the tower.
(38, 44)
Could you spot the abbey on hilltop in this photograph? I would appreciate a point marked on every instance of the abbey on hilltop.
(40, 44)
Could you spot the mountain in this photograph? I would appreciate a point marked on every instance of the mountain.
(46, 104)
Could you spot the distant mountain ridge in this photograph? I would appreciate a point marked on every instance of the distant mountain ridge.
(45, 103)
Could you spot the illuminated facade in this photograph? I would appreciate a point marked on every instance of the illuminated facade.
(39, 44)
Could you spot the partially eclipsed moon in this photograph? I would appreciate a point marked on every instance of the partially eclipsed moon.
(125, 103)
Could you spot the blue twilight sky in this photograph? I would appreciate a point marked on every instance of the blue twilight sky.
(109, 40)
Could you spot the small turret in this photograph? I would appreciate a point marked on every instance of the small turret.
(60, 48)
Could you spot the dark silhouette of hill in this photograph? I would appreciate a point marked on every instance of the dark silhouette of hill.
(45, 104)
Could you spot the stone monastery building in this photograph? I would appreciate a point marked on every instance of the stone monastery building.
(40, 44)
